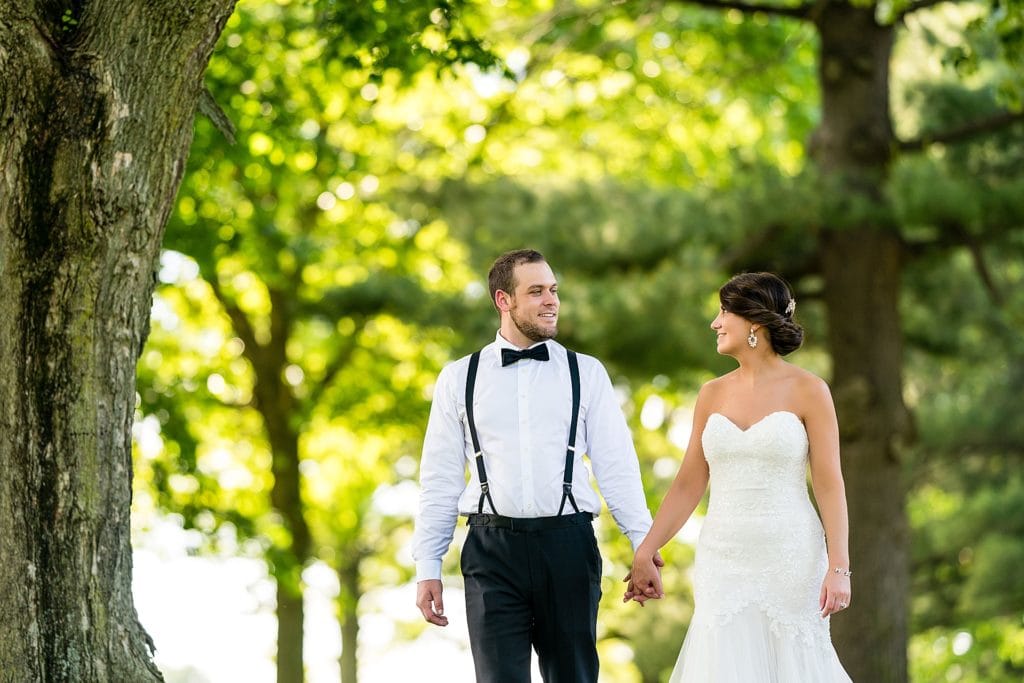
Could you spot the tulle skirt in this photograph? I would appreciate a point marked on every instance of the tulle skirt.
(750, 647)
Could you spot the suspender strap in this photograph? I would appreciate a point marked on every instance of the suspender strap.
(570, 452)
(474, 361)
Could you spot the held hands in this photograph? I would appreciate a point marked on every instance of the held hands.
(835, 593)
(643, 582)
(428, 599)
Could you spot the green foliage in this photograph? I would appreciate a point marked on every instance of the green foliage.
(68, 20)
(405, 35)
(991, 39)
(962, 311)
(633, 250)
(965, 571)
(287, 269)
(977, 652)
(389, 150)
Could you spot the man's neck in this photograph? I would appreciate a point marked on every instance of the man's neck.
(516, 338)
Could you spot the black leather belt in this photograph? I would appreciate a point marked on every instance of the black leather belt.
(530, 523)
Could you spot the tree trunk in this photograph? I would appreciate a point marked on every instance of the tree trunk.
(861, 265)
(348, 601)
(278, 407)
(96, 116)
(289, 632)
(862, 275)
(289, 560)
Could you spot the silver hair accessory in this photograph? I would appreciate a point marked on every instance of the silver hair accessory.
(791, 307)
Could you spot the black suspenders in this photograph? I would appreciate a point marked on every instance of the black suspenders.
(474, 361)
(570, 453)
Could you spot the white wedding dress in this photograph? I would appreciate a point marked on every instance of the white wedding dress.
(760, 563)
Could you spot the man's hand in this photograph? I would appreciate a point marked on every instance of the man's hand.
(428, 599)
(633, 592)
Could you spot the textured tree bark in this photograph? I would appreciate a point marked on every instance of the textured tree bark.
(95, 125)
(861, 265)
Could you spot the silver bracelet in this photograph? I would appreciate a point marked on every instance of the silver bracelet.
(844, 572)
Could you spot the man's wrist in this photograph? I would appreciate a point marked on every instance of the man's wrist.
(635, 539)
(428, 569)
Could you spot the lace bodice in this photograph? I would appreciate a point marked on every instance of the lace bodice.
(761, 542)
(763, 467)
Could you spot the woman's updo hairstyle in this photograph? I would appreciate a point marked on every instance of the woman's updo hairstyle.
(765, 299)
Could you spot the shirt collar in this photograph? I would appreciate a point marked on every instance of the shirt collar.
(502, 343)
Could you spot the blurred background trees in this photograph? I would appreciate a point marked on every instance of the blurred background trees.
(318, 272)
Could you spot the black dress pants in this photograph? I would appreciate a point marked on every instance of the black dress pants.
(533, 587)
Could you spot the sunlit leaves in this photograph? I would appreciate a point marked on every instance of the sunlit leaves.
(403, 34)
(290, 246)
(649, 149)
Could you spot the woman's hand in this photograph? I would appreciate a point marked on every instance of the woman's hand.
(836, 593)
(643, 582)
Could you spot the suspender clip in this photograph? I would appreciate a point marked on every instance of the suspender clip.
(484, 487)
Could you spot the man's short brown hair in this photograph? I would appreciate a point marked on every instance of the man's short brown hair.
(502, 273)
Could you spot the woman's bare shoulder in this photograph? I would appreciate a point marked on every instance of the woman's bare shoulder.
(715, 387)
(806, 380)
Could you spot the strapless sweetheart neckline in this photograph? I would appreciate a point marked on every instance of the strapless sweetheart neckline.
(757, 422)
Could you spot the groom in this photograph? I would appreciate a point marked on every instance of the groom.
(520, 414)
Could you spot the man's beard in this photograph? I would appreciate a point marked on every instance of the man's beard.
(530, 330)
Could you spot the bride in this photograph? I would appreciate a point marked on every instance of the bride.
(765, 580)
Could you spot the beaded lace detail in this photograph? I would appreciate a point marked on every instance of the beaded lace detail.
(761, 543)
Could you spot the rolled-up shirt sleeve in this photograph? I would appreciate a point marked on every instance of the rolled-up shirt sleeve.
(442, 478)
(614, 460)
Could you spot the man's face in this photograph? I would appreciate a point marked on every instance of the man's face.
(534, 304)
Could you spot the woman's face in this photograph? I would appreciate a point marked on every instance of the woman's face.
(731, 332)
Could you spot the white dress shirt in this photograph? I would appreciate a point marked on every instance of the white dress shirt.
(522, 414)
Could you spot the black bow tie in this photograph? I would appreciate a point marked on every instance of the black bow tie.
(510, 356)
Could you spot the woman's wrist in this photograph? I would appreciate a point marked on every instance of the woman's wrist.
(644, 553)
(838, 560)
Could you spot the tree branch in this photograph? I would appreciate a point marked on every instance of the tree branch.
(963, 132)
(803, 11)
(955, 234)
(981, 266)
(242, 327)
(208, 107)
(337, 365)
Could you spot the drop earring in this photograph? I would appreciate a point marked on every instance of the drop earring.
(752, 339)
